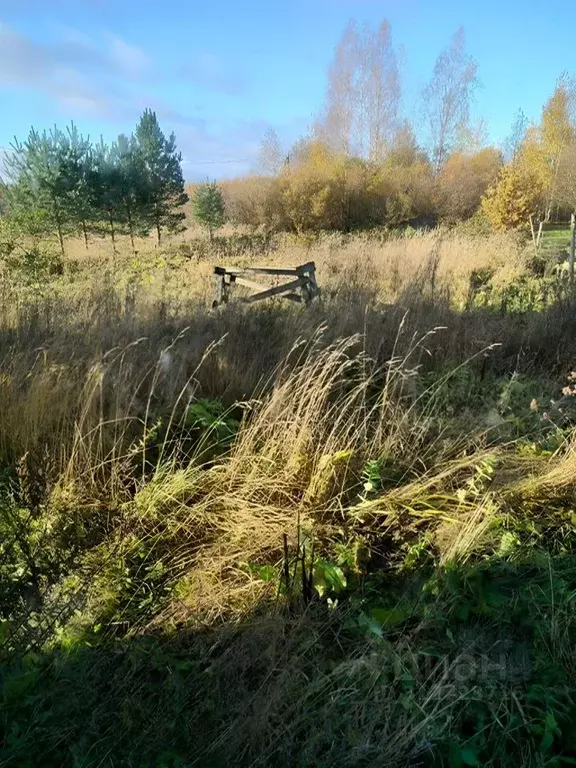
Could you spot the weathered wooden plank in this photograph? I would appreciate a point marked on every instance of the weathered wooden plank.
(276, 290)
(267, 270)
(249, 283)
(310, 290)
(218, 290)
(259, 271)
(308, 268)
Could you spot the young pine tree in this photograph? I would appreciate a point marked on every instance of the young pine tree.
(209, 207)
(163, 189)
(37, 186)
(132, 187)
(108, 188)
(77, 179)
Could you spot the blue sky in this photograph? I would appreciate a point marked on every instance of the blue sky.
(218, 73)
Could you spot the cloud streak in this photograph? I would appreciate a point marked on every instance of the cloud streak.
(209, 71)
(71, 71)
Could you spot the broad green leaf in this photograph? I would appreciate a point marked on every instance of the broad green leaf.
(328, 577)
(267, 572)
(550, 729)
(390, 617)
(469, 756)
(455, 756)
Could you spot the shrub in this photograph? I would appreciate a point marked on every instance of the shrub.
(515, 198)
(208, 204)
(463, 181)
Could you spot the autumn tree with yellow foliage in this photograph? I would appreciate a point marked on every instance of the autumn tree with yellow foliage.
(535, 182)
(518, 196)
(313, 191)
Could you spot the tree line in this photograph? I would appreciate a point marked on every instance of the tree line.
(60, 182)
(363, 163)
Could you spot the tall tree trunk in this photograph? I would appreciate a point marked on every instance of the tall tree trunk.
(157, 217)
(60, 236)
(112, 232)
(85, 233)
(58, 220)
(131, 228)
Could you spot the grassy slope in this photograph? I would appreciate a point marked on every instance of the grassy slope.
(276, 536)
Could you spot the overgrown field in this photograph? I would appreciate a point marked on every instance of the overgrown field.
(271, 535)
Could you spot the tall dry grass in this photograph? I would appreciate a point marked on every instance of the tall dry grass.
(181, 270)
(288, 686)
(142, 538)
(295, 470)
(55, 334)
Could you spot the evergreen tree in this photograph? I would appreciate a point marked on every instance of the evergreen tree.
(132, 187)
(163, 192)
(35, 170)
(77, 178)
(209, 206)
(107, 190)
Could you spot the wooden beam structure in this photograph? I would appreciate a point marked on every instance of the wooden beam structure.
(303, 288)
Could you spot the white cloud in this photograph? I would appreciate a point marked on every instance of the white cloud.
(21, 62)
(129, 59)
(71, 34)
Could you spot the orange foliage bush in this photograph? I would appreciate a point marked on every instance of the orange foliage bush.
(463, 182)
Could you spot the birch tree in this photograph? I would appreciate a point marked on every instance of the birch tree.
(447, 98)
(336, 124)
(517, 136)
(380, 90)
(270, 154)
(362, 102)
